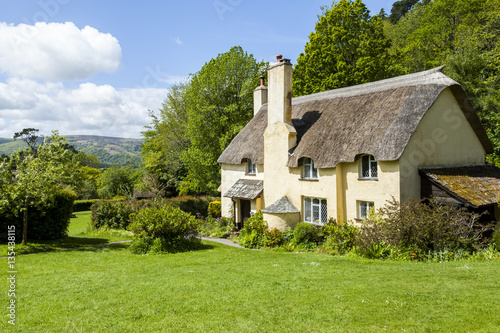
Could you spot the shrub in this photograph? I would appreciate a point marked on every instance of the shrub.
(305, 233)
(214, 209)
(495, 239)
(420, 228)
(47, 222)
(217, 227)
(253, 233)
(273, 238)
(83, 205)
(194, 206)
(166, 221)
(340, 238)
(114, 214)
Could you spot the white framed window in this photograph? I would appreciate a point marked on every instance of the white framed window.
(309, 171)
(364, 209)
(315, 210)
(251, 167)
(368, 167)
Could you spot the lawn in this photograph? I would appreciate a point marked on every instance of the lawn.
(79, 234)
(225, 289)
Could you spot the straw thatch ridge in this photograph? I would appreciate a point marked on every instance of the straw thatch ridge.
(337, 126)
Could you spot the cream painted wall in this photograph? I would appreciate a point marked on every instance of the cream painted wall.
(230, 174)
(443, 137)
(377, 191)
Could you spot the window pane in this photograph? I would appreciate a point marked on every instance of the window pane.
(315, 209)
(324, 214)
(314, 172)
(373, 169)
(307, 210)
(307, 171)
(365, 166)
(362, 209)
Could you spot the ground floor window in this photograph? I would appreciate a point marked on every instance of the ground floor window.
(315, 210)
(364, 209)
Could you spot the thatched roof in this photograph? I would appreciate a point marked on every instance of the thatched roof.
(475, 186)
(337, 126)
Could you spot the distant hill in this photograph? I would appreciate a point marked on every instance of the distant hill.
(109, 150)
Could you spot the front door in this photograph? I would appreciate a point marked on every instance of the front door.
(245, 210)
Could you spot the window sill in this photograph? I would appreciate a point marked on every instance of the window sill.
(367, 178)
(251, 174)
(318, 224)
(309, 179)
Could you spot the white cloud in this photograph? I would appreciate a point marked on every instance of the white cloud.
(177, 40)
(56, 51)
(88, 109)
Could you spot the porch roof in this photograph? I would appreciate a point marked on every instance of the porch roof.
(476, 186)
(246, 189)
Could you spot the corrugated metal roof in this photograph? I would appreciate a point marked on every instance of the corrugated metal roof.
(282, 206)
(247, 189)
(474, 185)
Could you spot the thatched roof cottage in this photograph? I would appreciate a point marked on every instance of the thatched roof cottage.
(340, 152)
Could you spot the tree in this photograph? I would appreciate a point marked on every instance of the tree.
(463, 35)
(165, 139)
(118, 181)
(219, 103)
(348, 47)
(36, 177)
(28, 135)
(400, 8)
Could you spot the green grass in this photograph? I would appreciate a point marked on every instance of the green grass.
(79, 234)
(225, 289)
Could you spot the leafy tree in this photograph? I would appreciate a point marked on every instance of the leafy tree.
(30, 136)
(348, 47)
(219, 103)
(165, 139)
(464, 36)
(118, 181)
(400, 8)
(36, 177)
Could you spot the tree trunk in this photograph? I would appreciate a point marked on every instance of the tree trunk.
(25, 225)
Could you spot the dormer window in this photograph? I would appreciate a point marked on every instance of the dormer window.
(251, 167)
(368, 167)
(309, 171)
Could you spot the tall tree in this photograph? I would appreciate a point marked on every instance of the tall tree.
(165, 139)
(36, 176)
(400, 8)
(348, 47)
(219, 103)
(30, 136)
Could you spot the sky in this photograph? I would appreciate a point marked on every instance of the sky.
(89, 67)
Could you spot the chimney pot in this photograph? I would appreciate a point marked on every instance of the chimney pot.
(262, 80)
(279, 57)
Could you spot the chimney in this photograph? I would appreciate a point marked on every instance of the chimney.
(259, 96)
(280, 91)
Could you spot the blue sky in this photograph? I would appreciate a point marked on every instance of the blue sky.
(97, 67)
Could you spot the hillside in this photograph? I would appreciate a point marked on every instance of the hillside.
(109, 150)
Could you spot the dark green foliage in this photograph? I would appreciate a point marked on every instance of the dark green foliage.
(49, 221)
(306, 233)
(348, 47)
(118, 181)
(113, 214)
(163, 229)
(219, 103)
(197, 206)
(340, 238)
(419, 228)
(273, 238)
(214, 209)
(495, 239)
(253, 233)
(400, 8)
(83, 205)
